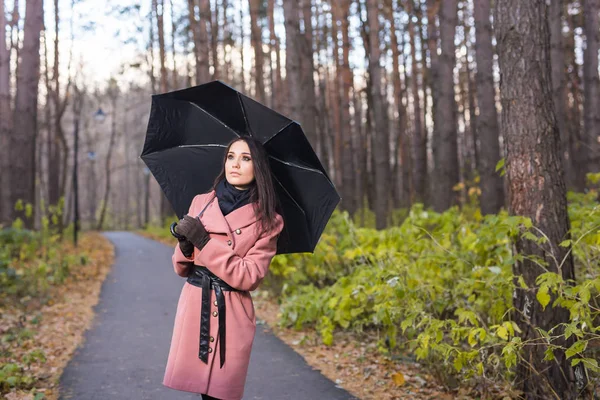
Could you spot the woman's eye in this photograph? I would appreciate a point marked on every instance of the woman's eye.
(246, 158)
(230, 157)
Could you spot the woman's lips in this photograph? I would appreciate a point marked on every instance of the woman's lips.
(234, 173)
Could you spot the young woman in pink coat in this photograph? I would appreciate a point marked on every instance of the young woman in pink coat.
(226, 243)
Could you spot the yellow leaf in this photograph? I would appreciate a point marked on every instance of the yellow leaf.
(398, 378)
(543, 297)
(502, 333)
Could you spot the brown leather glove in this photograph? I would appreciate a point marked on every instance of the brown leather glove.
(186, 247)
(194, 231)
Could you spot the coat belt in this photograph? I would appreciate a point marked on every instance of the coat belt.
(202, 277)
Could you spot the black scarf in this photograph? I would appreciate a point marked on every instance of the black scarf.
(231, 198)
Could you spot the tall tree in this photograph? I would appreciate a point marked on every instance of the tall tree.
(380, 151)
(257, 44)
(419, 136)
(274, 51)
(445, 149)
(199, 28)
(576, 142)
(559, 93)
(492, 189)
(58, 148)
(536, 189)
(5, 119)
(404, 165)
(347, 82)
(213, 20)
(22, 142)
(591, 85)
(293, 75)
(113, 94)
(306, 55)
(422, 184)
(159, 11)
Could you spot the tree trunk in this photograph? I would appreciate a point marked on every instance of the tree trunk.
(276, 82)
(309, 99)
(360, 156)
(174, 74)
(292, 62)
(164, 85)
(536, 188)
(214, 40)
(227, 42)
(242, 79)
(347, 82)
(195, 29)
(259, 57)
(113, 94)
(404, 164)
(576, 142)
(334, 96)
(492, 189)
(151, 52)
(423, 185)
(381, 145)
(205, 49)
(5, 121)
(54, 145)
(473, 122)
(559, 93)
(199, 29)
(445, 151)
(591, 85)
(165, 207)
(22, 141)
(419, 136)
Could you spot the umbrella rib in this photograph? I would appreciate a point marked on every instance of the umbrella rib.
(304, 168)
(215, 118)
(202, 145)
(289, 195)
(239, 96)
(278, 132)
(296, 165)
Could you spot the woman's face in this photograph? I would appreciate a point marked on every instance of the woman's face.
(239, 169)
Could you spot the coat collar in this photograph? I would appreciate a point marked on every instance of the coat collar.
(216, 222)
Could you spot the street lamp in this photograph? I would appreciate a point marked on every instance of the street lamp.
(100, 115)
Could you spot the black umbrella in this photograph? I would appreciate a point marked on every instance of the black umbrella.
(187, 135)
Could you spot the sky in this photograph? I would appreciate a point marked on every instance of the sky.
(106, 39)
(100, 36)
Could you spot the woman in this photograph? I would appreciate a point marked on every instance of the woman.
(226, 243)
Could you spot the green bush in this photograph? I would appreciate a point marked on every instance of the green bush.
(439, 285)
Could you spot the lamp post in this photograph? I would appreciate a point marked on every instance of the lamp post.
(147, 197)
(77, 106)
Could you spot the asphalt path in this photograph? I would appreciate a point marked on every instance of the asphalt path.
(125, 351)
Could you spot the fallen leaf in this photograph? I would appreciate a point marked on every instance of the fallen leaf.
(398, 378)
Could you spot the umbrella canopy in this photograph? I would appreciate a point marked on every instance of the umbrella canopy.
(185, 145)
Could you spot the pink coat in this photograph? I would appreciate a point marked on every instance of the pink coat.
(241, 258)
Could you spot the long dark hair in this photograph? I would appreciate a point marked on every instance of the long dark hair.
(262, 191)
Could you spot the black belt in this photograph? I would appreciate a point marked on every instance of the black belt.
(202, 277)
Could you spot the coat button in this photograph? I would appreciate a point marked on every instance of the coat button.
(210, 349)
(229, 243)
(215, 303)
(238, 231)
(215, 313)
(212, 339)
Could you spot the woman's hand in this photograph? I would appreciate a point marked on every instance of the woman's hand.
(194, 231)
(186, 247)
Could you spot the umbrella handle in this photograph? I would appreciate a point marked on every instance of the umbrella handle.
(175, 234)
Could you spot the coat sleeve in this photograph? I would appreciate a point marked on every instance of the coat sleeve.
(181, 263)
(242, 273)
